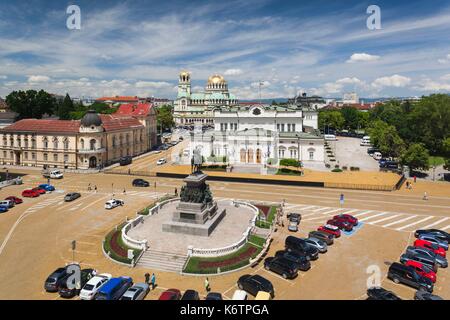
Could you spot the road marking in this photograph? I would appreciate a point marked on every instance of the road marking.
(331, 211)
(320, 209)
(384, 219)
(435, 223)
(363, 213)
(447, 227)
(307, 215)
(374, 216)
(309, 207)
(399, 221)
(92, 203)
(414, 223)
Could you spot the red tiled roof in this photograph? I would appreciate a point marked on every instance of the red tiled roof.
(112, 123)
(39, 125)
(119, 99)
(140, 109)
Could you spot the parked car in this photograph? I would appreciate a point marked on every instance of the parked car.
(136, 292)
(422, 270)
(324, 236)
(39, 190)
(111, 204)
(371, 151)
(55, 279)
(424, 295)
(299, 259)
(381, 294)
(140, 183)
(430, 262)
(124, 161)
(171, 294)
(161, 161)
(71, 196)
(294, 217)
(317, 243)
(114, 288)
(47, 187)
(190, 295)
(30, 194)
(14, 199)
(299, 245)
(239, 295)
(430, 246)
(287, 269)
(440, 260)
(255, 283)
(434, 239)
(442, 235)
(3, 209)
(7, 203)
(377, 155)
(346, 217)
(328, 228)
(85, 276)
(400, 273)
(91, 288)
(214, 296)
(342, 225)
(293, 226)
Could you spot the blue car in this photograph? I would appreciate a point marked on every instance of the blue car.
(47, 187)
(3, 209)
(114, 288)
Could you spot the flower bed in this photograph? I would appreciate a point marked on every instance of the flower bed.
(117, 249)
(269, 214)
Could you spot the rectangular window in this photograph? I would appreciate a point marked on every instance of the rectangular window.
(311, 155)
(293, 127)
(4, 154)
(55, 157)
(282, 127)
(26, 155)
(278, 127)
(45, 157)
(33, 156)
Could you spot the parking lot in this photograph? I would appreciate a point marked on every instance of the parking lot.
(35, 236)
(349, 153)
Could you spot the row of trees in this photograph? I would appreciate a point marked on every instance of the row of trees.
(405, 130)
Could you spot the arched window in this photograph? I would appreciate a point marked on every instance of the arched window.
(82, 143)
(114, 141)
(45, 141)
(55, 143)
(92, 144)
(66, 143)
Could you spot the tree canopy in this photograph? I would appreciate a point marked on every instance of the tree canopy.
(31, 103)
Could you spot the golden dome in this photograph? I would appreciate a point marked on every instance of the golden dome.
(216, 79)
(184, 73)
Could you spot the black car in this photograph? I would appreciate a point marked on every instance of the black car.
(299, 259)
(140, 183)
(55, 279)
(442, 235)
(255, 283)
(71, 196)
(85, 276)
(400, 273)
(285, 268)
(214, 296)
(294, 217)
(326, 237)
(371, 151)
(190, 295)
(124, 161)
(424, 295)
(381, 294)
(299, 245)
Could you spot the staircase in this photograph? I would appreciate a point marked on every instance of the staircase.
(163, 261)
(247, 168)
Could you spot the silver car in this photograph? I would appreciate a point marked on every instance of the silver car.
(317, 243)
(440, 260)
(136, 292)
(435, 240)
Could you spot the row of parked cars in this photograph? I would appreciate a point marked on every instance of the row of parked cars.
(418, 266)
(11, 201)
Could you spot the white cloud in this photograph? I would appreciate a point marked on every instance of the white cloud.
(396, 81)
(446, 77)
(362, 57)
(433, 86)
(38, 79)
(233, 72)
(445, 60)
(347, 80)
(152, 84)
(3, 77)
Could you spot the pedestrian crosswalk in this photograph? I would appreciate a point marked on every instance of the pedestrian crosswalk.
(398, 221)
(44, 203)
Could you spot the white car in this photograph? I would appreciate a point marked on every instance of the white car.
(91, 288)
(161, 161)
(111, 204)
(377, 156)
(239, 295)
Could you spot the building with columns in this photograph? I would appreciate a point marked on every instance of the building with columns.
(197, 107)
(92, 142)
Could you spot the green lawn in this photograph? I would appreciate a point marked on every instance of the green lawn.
(267, 223)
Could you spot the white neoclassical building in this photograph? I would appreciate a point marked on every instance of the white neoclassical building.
(197, 107)
(259, 133)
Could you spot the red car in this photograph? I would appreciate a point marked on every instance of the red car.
(14, 199)
(30, 194)
(330, 229)
(39, 190)
(170, 294)
(431, 246)
(346, 217)
(343, 225)
(422, 270)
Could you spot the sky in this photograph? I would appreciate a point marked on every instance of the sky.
(139, 47)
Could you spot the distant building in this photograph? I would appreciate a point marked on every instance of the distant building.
(120, 99)
(303, 100)
(7, 116)
(158, 102)
(350, 98)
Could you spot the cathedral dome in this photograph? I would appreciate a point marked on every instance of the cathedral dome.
(91, 118)
(216, 79)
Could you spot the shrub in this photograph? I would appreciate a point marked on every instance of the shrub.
(332, 159)
(344, 168)
(290, 163)
(354, 169)
(327, 165)
(336, 170)
(336, 166)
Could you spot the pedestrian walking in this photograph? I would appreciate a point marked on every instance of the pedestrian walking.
(207, 287)
(124, 191)
(176, 192)
(147, 278)
(407, 185)
(415, 178)
(89, 187)
(425, 196)
(95, 188)
(153, 281)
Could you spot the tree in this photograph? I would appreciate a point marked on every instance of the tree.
(31, 103)
(446, 148)
(333, 119)
(350, 115)
(416, 157)
(65, 108)
(386, 138)
(165, 117)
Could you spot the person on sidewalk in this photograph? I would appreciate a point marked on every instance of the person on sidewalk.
(176, 192)
(207, 287)
(425, 196)
(153, 281)
(147, 278)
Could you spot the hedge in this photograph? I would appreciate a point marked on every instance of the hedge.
(109, 246)
(146, 210)
(290, 163)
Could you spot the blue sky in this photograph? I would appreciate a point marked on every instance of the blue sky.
(139, 47)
